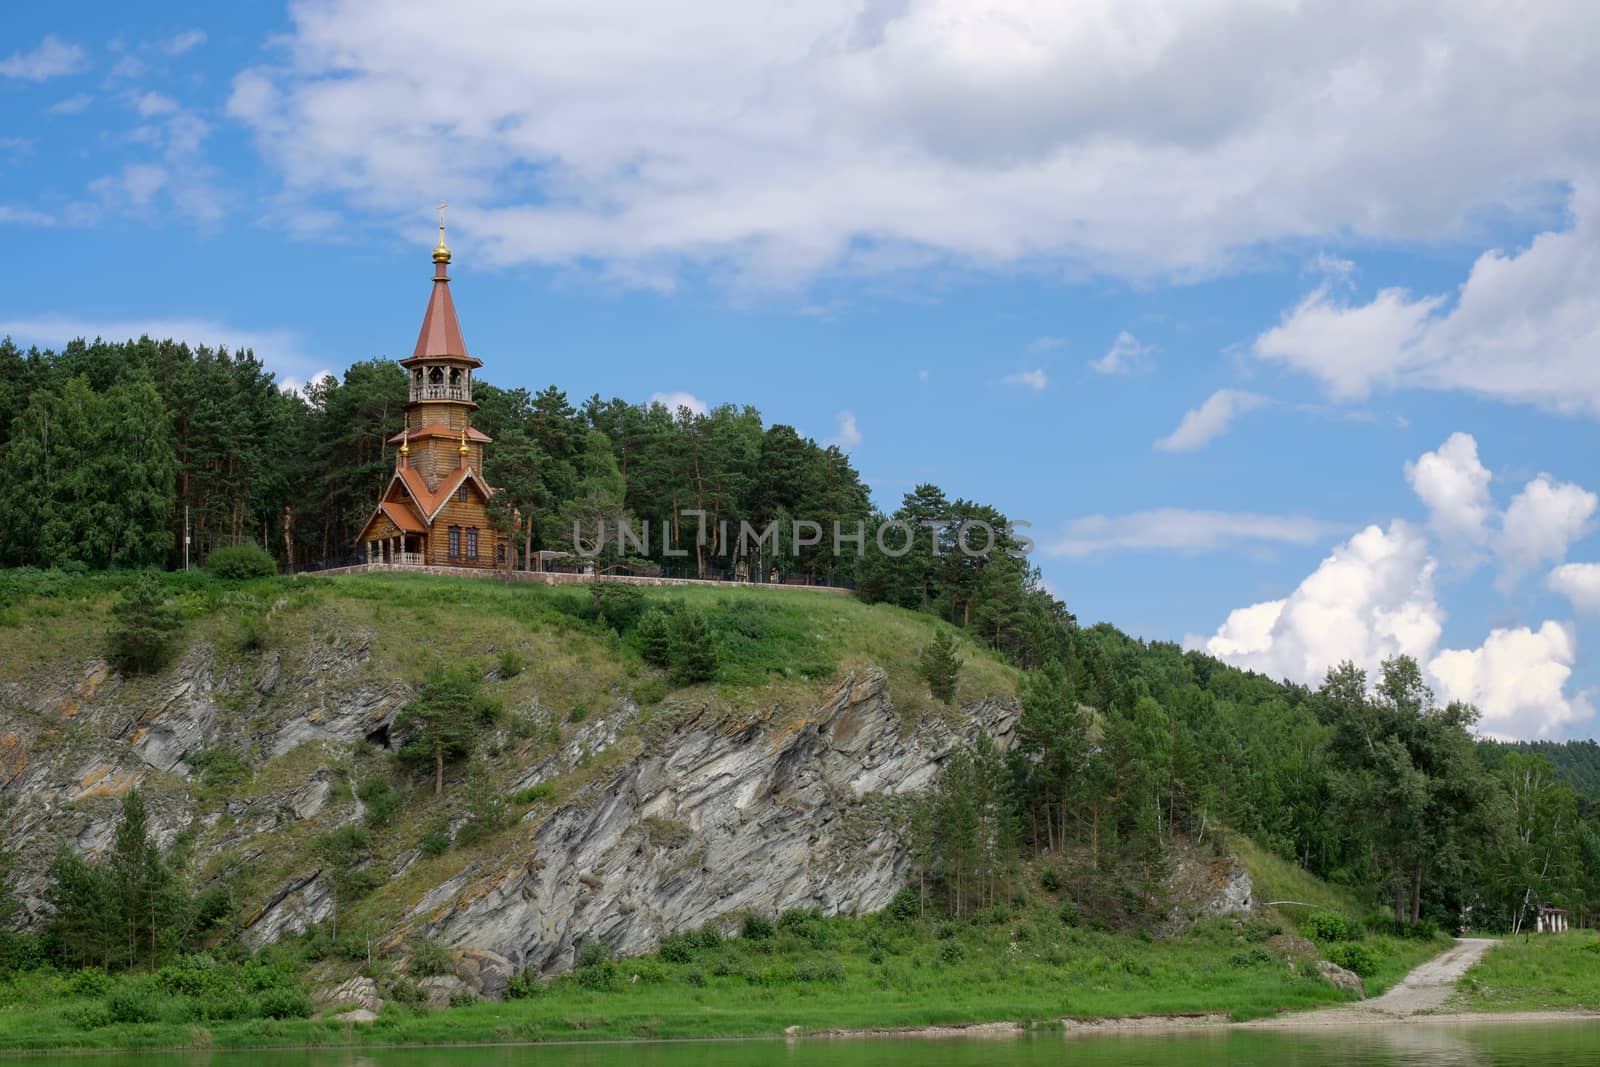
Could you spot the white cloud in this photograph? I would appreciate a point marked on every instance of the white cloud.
(12, 215)
(782, 139)
(1540, 524)
(51, 59)
(1524, 327)
(1454, 486)
(1031, 379)
(1181, 530)
(1125, 356)
(1373, 598)
(848, 434)
(149, 104)
(184, 42)
(1579, 583)
(1202, 425)
(72, 105)
(673, 401)
(1370, 599)
(297, 385)
(1517, 678)
(1046, 344)
(280, 350)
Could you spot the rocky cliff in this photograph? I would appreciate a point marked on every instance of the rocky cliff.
(697, 808)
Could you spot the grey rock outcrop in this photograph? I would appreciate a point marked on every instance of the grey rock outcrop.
(1340, 978)
(714, 821)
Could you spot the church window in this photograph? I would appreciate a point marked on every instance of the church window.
(472, 542)
(455, 542)
(499, 553)
(461, 493)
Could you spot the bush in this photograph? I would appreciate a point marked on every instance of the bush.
(89, 982)
(381, 799)
(828, 971)
(695, 977)
(1250, 957)
(1050, 880)
(1354, 957)
(677, 948)
(653, 638)
(904, 906)
(1326, 927)
(91, 1016)
(524, 985)
(510, 663)
(219, 768)
(435, 840)
(240, 562)
(532, 794)
(429, 958)
(283, 1003)
(708, 936)
(952, 951)
(757, 928)
(1069, 913)
(133, 1004)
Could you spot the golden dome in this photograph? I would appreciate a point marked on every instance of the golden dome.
(441, 253)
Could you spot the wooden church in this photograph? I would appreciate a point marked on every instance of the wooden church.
(434, 509)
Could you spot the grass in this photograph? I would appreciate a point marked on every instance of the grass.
(1538, 972)
(1018, 964)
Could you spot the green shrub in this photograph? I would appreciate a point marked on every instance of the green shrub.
(90, 1016)
(429, 958)
(904, 905)
(524, 985)
(89, 982)
(1050, 880)
(133, 1004)
(283, 1003)
(580, 712)
(695, 977)
(532, 794)
(952, 951)
(1068, 912)
(435, 840)
(677, 948)
(239, 562)
(827, 971)
(220, 769)
(756, 928)
(1258, 930)
(381, 799)
(647, 691)
(1354, 957)
(1326, 927)
(510, 663)
(219, 1007)
(708, 936)
(1250, 957)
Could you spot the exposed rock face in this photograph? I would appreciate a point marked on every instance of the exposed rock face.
(359, 993)
(486, 973)
(442, 990)
(710, 823)
(297, 906)
(1340, 978)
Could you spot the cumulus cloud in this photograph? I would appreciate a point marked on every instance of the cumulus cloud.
(1130, 138)
(1028, 379)
(1579, 583)
(1370, 599)
(186, 41)
(847, 435)
(1541, 523)
(72, 105)
(1373, 598)
(1518, 679)
(50, 59)
(1523, 327)
(1202, 425)
(1182, 530)
(673, 401)
(1046, 344)
(1125, 356)
(1454, 486)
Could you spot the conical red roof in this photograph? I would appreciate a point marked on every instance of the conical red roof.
(441, 330)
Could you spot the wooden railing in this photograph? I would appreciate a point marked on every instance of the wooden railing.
(439, 392)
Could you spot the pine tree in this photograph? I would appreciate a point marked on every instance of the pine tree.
(144, 629)
(694, 650)
(940, 666)
(441, 723)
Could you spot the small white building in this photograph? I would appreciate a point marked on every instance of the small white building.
(1552, 920)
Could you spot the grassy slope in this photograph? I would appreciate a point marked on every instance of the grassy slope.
(1548, 972)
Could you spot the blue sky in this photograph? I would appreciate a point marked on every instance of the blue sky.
(1281, 323)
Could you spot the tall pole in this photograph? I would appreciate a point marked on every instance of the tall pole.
(186, 536)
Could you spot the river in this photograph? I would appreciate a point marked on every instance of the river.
(1413, 1044)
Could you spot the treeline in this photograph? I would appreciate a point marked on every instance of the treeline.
(1365, 782)
(114, 446)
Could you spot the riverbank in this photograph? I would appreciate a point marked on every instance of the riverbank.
(1021, 967)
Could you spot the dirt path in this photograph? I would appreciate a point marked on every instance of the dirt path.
(1423, 991)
